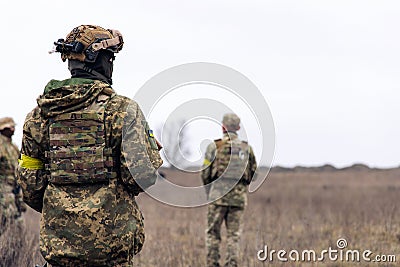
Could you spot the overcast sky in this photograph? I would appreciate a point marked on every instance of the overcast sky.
(329, 70)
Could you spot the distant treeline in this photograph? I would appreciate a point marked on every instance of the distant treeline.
(326, 168)
(322, 168)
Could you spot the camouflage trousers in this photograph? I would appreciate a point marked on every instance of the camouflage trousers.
(233, 217)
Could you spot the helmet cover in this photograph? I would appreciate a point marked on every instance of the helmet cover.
(84, 42)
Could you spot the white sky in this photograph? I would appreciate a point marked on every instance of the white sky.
(329, 70)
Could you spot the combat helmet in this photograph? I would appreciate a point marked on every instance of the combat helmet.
(90, 51)
(6, 122)
(84, 42)
(231, 122)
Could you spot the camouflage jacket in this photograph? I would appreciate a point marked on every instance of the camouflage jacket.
(9, 154)
(8, 186)
(10, 193)
(237, 196)
(93, 224)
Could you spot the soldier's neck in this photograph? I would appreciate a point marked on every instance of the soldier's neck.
(230, 135)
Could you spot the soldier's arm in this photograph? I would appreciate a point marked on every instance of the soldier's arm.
(139, 152)
(207, 164)
(252, 164)
(30, 173)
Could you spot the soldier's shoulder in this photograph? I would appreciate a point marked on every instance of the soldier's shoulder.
(35, 124)
(246, 143)
(120, 99)
(15, 146)
(33, 117)
(218, 143)
(121, 103)
(34, 113)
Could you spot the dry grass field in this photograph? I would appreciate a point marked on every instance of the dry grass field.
(302, 209)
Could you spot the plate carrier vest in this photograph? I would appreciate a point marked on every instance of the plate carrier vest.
(78, 152)
(231, 159)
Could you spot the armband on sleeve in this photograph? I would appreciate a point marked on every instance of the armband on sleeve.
(29, 163)
(206, 163)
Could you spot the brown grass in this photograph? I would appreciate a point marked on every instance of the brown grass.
(292, 210)
(19, 242)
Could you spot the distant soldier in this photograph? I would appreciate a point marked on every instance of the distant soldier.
(233, 163)
(11, 201)
(80, 167)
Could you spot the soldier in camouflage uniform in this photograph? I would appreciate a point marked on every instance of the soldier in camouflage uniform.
(80, 167)
(230, 164)
(11, 201)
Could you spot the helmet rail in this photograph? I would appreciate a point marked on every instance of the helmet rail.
(84, 42)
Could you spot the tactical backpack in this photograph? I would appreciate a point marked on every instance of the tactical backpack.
(231, 159)
(78, 152)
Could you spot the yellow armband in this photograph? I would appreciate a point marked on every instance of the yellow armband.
(30, 163)
(206, 162)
